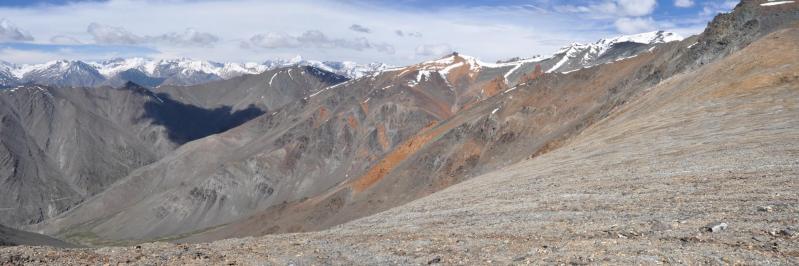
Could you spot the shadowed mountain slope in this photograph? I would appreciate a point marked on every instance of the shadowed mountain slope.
(11, 237)
(270, 90)
(60, 146)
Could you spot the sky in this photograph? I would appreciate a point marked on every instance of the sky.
(396, 32)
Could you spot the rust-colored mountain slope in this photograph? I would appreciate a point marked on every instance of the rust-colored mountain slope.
(284, 156)
(523, 122)
(377, 142)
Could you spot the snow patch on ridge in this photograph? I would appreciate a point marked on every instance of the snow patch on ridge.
(272, 79)
(771, 3)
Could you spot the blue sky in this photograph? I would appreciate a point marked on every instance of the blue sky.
(396, 32)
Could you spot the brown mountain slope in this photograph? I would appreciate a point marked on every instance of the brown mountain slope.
(527, 120)
(377, 142)
(715, 145)
(284, 156)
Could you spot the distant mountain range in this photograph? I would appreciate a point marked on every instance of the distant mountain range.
(186, 72)
(152, 73)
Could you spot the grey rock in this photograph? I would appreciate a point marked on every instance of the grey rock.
(789, 232)
(716, 227)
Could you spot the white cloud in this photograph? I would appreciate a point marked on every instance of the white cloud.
(275, 29)
(683, 3)
(409, 34)
(385, 48)
(189, 37)
(614, 8)
(313, 39)
(433, 50)
(635, 16)
(272, 40)
(63, 39)
(10, 32)
(104, 34)
(360, 28)
(637, 8)
(635, 25)
(476, 31)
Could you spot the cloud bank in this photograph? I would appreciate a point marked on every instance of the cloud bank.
(393, 32)
(313, 39)
(10, 32)
(104, 34)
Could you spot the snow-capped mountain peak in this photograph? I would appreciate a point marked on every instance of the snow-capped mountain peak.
(584, 55)
(114, 66)
(601, 46)
(653, 37)
(179, 71)
(345, 68)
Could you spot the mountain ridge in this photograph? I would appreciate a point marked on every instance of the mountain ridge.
(185, 71)
(153, 73)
